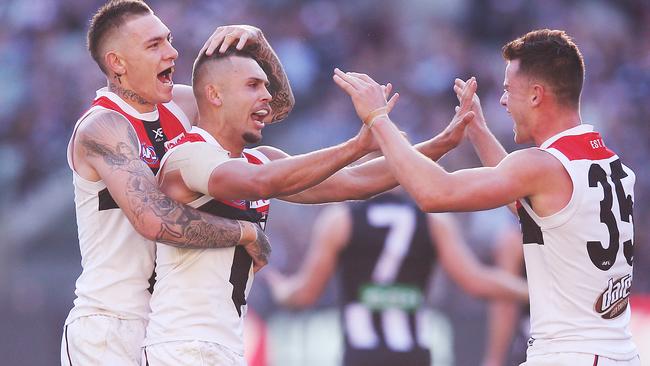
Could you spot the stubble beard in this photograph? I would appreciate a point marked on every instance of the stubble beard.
(251, 138)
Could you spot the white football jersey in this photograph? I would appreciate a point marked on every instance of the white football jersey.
(200, 294)
(579, 260)
(116, 261)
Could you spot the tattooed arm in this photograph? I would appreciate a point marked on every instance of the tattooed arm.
(107, 148)
(283, 99)
(253, 40)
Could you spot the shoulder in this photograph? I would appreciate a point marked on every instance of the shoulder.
(531, 162)
(335, 221)
(195, 151)
(106, 124)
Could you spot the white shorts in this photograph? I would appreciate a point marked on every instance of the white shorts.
(100, 340)
(577, 359)
(190, 353)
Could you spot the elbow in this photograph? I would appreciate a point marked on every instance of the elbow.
(149, 229)
(426, 203)
(301, 301)
(474, 287)
(434, 200)
(473, 284)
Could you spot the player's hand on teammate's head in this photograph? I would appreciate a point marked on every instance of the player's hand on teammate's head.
(367, 95)
(225, 36)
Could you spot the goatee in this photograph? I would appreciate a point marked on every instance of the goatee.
(251, 138)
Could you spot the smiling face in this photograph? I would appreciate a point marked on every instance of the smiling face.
(240, 87)
(144, 57)
(516, 99)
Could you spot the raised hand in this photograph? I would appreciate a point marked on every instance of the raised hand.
(454, 132)
(460, 86)
(367, 95)
(225, 36)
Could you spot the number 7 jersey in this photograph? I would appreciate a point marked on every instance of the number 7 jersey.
(579, 260)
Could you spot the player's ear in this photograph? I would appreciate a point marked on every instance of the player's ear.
(114, 62)
(213, 95)
(537, 94)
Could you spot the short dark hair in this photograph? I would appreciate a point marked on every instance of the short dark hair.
(551, 56)
(111, 15)
(202, 60)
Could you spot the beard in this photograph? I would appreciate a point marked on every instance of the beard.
(251, 138)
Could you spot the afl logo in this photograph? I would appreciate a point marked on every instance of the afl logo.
(613, 301)
(148, 154)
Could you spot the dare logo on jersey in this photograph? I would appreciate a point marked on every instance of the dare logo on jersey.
(148, 154)
(613, 301)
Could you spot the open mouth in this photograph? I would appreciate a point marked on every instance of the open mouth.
(165, 76)
(260, 115)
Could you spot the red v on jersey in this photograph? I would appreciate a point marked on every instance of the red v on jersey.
(588, 146)
(150, 151)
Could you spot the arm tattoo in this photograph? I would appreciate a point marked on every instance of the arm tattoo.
(180, 225)
(283, 100)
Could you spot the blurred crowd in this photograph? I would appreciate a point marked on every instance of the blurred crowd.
(48, 80)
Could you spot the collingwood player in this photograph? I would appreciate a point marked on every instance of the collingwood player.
(385, 250)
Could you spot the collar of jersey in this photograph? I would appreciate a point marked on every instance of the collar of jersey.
(208, 138)
(148, 116)
(577, 130)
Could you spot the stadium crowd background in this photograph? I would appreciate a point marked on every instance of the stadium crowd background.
(48, 80)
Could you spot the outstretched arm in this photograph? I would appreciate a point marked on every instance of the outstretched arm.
(108, 146)
(522, 174)
(252, 38)
(463, 267)
(285, 175)
(330, 234)
(373, 177)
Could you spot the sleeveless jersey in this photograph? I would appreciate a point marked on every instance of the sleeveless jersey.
(579, 260)
(200, 294)
(384, 272)
(116, 261)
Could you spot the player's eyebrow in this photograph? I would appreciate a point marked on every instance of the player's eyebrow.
(259, 80)
(154, 39)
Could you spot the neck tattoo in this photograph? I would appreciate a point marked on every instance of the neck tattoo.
(126, 94)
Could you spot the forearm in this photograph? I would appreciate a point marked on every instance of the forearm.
(486, 145)
(501, 325)
(279, 87)
(413, 171)
(160, 218)
(498, 284)
(368, 179)
(291, 175)
(185, 227)
(436, 147)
